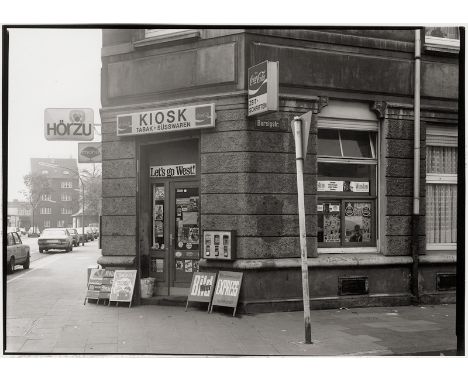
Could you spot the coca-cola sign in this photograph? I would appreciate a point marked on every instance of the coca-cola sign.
(263, 88)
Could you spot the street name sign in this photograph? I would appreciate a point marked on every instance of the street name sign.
(263, 88)
(61, 124)
(202, 287)
(90, 152)
(227, 290)
(166, 120)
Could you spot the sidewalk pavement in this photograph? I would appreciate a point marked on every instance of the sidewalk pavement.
(76, 328)
(45, 314)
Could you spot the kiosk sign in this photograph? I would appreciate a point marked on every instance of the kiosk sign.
(166, 120)
(263, 88)
(69, 124)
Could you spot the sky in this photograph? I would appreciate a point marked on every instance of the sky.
(48, 68)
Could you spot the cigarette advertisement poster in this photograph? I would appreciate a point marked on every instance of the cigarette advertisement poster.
(123, 285)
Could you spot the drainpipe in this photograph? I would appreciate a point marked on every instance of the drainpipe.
(417, 175)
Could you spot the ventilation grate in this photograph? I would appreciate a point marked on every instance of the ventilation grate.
(353, 285)
(446, 281)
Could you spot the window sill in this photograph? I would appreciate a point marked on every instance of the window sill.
(347, 250)
(166, 38)
(438, 44)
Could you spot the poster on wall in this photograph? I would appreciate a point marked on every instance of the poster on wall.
(331, 223)
(187, 230)
(123, 286)
(330, 185)
(358, 222)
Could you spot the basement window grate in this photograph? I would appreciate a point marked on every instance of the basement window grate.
(353, 285)
(446, 281)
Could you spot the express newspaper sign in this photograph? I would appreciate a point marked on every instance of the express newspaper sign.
(263, 88)
(166, 120)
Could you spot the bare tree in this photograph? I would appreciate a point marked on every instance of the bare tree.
(93, 190)
(36, 185)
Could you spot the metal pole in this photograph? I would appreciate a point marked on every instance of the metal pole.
(416, 172)
(302, 226)
(83, 212)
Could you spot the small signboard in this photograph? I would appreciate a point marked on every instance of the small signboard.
(263, 88)
(99, 284)
(202, 287)
(227, 290)
(123, 286)
(90, 152)
(69, 124)
(166, 120)
(173, 171)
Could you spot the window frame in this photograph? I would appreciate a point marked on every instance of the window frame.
(46, 211)
(66, 184)
(440, 178)
(342, 197)
(441, 44)
(154, 36)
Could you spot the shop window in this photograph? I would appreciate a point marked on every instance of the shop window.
(441, 189)
(346, 187)
(445, 39)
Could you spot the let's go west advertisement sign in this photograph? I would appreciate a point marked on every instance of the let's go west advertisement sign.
(263, 86)
(166, 120)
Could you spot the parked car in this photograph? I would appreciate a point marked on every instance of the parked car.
(17, 252)
(22, 231)
(95, 232)
(55, 238)
(88, 233)
(76, 237)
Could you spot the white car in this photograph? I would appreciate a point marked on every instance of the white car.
(17, 252)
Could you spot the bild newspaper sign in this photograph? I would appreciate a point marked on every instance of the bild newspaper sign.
(166, 120)
(62, 124)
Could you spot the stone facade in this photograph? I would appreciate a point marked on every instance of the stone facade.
(247, 173)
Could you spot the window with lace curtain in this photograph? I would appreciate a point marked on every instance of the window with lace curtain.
(441, 189)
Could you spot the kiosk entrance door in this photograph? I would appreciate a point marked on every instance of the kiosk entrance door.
(175, 241)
